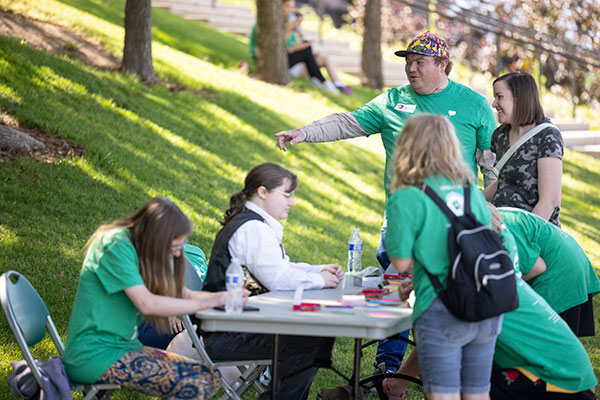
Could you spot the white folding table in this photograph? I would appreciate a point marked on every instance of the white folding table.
(276, 317)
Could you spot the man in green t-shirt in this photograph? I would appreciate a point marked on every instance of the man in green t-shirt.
(429, 90)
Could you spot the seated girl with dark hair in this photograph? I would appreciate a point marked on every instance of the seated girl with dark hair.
(252, 233)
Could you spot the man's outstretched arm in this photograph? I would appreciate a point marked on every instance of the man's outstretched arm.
(329, 129)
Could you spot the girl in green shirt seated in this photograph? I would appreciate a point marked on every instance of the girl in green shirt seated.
(134, 269)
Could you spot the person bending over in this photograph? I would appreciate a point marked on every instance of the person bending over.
(556, 267)
(134, 269)
(537, 356)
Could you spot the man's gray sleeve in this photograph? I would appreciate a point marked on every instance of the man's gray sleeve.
(333, 127)
(486, 160)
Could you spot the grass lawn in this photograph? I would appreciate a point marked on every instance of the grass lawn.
(194, 146)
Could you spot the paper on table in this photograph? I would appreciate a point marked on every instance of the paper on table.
(367, 271)
(298, 293)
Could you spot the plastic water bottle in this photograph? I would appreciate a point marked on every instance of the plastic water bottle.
(354, 252)
(234, 281)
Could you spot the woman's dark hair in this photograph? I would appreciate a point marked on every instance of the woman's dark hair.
(527, 108)
(269, 175)
(154, 227)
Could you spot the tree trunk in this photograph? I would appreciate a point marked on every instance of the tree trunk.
(271, 55)
(137, 53)
(14, 139)
(371, 74)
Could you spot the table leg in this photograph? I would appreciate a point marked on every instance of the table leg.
(356, 374)
(274, 367)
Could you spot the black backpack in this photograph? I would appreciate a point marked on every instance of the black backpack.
(481, 280)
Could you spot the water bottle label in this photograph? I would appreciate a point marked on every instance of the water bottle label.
(235, 279)
(355, 246)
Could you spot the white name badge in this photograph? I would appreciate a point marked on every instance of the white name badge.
(408, 108)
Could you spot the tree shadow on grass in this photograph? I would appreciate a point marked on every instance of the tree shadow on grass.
(118, 119)
(194, 38)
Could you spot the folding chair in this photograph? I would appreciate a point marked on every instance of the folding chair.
(250, 370)
(29, 319)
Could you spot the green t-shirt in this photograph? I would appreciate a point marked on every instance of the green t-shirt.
(197, 260)
(292, 39)
(103, 324)
(569, 276)
(468, 111)
(417, 228)
(535, 338)
(253, 42)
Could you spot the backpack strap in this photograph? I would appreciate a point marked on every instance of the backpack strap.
(440, 203)
(467, 199)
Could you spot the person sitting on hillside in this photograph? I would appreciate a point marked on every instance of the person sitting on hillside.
(252, 234)
(297, 41)
(298, 52)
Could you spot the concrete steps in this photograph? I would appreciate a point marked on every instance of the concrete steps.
(590, 149)
(578, 136)
(239, 20)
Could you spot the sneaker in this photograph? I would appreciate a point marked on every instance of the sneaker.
(330, 87)
(380, 369)
(345, 89)
(316, 82)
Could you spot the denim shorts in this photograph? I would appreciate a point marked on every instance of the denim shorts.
(455, 356)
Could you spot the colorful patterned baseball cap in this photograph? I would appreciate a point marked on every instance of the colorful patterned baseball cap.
(427, 44)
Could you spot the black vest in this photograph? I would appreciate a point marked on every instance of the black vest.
(220, 256)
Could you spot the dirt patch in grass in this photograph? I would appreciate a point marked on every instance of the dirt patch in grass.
(56, 40)
(55, 146)
(60, 41)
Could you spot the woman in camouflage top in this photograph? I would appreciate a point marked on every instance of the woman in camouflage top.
(531, 178)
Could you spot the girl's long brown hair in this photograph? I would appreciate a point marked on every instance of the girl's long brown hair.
(428, 146)
(154, 227)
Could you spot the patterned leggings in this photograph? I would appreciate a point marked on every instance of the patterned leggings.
(158, 373)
